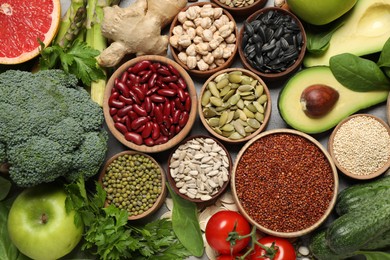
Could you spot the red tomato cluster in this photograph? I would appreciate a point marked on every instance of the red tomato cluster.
(223, 223)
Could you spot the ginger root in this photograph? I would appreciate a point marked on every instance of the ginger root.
(136, 29)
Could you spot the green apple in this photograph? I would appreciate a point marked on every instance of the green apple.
(320, 12)
(39, 225)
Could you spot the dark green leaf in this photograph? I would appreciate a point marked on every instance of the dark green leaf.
(5, 187)
(358, 74)
(318, 38)
(384, 58)
(373, 255)
(186, 225)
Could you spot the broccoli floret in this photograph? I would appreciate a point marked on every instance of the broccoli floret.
(3, 154)
(47, 121)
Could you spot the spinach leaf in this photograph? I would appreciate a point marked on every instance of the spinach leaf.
(374, 255)
(384, 58)
(318, 39)
(7, 250)
(358, 74)
(5, 187)
(185, 224)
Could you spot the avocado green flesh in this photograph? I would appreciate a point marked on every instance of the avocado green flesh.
(349, 101)
(365, 31)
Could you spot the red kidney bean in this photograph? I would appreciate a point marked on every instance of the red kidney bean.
(167, 121)
(113, 90)
(178, 104)
(139, 92)
(134, 137)
(169, 78)
(187, 104)
(139, 110)
(116, 103)
(181, 83)
(144, 87)
(124, 76)
(183, 119)
(134, 97)
(152, 80)
(164, 71)
(155, 131)
(172, 130)
(147, 130)
(113, 111)
(161, 140)
(124, 111)
(167, 109)
(173, 70)
(123, 89)
(181, 94)
(176, 116)
(132, 115)
(149, 141)
(140, 66)
(164, 130)
(157, 98)
(127, 101)
(142, 73)
(121, 127)
(158, 114)
(113, 96)
(152, 90)
(172, 85)
(160, 84)
(157, 65)
(177, 129)
(138, 122)
(147, 105)
(168, 92)
(128, 123)
(146, 77)
(140, 129)
(116, 118)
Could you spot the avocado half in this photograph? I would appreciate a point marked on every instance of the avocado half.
(349, 102)
(365, 31)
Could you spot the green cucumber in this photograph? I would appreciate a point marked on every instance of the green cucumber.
(319, 248)
(350, 232)
(381, 242)
(354, 196)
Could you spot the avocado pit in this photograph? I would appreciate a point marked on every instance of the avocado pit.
(318, 100)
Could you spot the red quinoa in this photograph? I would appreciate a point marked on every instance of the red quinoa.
(284, 182)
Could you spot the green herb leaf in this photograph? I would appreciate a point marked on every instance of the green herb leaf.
(5, 187)
(374, 255)
(384, 58)
(318, 38)
(358, 74)
(186, 225)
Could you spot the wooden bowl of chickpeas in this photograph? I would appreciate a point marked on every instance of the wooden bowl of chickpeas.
(202, 39)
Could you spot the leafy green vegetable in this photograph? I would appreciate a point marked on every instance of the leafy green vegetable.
(109, 235)
(7, 250)
(384, 58)
(5, 187)
(318, 39)
(357, 73)
(373, 255)
(186, 225)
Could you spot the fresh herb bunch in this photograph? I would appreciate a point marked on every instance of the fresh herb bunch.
(109, 235)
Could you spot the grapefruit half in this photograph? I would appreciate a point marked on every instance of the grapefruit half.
(22, 23)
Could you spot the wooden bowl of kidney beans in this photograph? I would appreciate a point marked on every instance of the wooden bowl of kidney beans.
(284, 182)
(272, 43)
(150, 103)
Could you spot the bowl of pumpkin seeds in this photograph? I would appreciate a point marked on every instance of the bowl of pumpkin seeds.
(240, 7)
(234, 105)
(272, 43)
(135, 182)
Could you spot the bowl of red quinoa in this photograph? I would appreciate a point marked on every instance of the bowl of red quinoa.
(360, 146)
(284, 182)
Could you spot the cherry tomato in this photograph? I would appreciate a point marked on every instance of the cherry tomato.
(220, 225)
(285, 249)
(226, 257)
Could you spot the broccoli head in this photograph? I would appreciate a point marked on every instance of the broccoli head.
(49, 127)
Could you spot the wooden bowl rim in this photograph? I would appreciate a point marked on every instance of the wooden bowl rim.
(205, 73)
(375, 174)
(161, 198)
(172, 182)
(289, 70)
(267, 113)
(388, 109)
(335, 185)
(241, 10)
(174, 140)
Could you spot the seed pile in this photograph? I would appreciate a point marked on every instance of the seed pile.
(362, 145)
(133, 182)
(200, 167)
(272, 42)
(234, 105)
(284, 182)
(238, 3)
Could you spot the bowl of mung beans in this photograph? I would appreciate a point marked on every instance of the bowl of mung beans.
(234, 105)
(203, 38)
(272, 43)
(240, 7)
(284, 182)
(135, 182)
(360, 146)
(199, 169)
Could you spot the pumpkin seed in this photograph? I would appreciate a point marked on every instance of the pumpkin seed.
(227, 128)
(217, 101)
(248, 113)
(235, 136)
(235, 78)
(245, 88)
(224, 91)
(213, 89)
(259, 117)
(223, 119)
(258, 107)
(214, 121)
(262, 99)
(234, 99)
(209, 112)
(206, 98)
(253, 123)
(228, 95)
(251, 107)
(222, 83)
